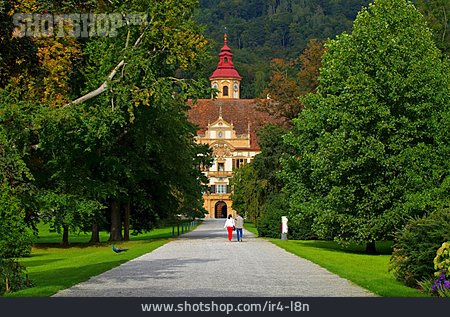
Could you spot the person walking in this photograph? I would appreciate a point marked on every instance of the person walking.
(229, 224)
(239, 225)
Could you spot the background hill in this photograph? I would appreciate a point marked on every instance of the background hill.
(260, 30)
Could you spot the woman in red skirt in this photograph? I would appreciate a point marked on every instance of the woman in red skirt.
(229, 224)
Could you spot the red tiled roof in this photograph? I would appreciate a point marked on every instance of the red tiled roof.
(225, 73)
(225, 67)
(240, 112)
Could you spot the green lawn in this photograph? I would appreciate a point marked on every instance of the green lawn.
(250, 227)
(52, 267)
(352, 263)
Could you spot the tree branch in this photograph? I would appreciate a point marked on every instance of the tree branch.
(99, 90)
(103, 86)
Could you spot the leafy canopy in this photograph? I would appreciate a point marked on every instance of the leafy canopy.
(369, 145)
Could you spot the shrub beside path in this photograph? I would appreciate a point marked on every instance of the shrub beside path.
(203, 263)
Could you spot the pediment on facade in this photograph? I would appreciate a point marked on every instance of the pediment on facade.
(221, 149)
(221, 124)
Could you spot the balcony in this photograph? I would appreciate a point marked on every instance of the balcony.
(219, 174)
(220, 190)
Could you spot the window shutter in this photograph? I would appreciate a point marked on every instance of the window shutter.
(228, 189)
(213, 189)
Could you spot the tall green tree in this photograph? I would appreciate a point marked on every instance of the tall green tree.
(15, 236)
(255, 185)
(370, 150)
(16, 189)
(129, 128)
(248, 192)
(106, 120)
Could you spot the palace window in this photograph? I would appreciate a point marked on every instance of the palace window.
(225, 90)
(221, 189)
(221, 167)
(239, 162)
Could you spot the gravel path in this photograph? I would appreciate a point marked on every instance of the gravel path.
(203, 263)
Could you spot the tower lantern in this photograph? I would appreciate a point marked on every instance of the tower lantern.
(225, 78)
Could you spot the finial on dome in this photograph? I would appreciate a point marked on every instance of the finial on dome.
(225, 36)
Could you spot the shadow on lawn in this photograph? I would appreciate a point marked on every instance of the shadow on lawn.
(85, 239)
(383, 247)
(35, 263)
(45, 246)
(62, 278)
(153, 237)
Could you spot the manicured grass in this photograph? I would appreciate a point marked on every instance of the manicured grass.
(52, 267)
(46, 236)
(352, 263)
(248, 225)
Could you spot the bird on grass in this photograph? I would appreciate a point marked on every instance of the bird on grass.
(118, 250)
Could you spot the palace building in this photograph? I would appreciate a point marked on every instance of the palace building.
(228, 125)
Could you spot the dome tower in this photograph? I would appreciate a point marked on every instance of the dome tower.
(225, 78)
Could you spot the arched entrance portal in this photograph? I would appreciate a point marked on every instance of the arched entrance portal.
(220, 209)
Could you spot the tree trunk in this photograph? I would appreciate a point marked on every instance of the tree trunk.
(126, 225)
(116, 224)
(95, 237)
(370, 247)
(65, 239)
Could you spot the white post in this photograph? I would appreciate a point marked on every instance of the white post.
(284, 227)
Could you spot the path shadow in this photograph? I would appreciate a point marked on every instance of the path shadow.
(383, 249)
(155, 269)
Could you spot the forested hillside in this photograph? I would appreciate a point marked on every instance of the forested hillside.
(260, 30)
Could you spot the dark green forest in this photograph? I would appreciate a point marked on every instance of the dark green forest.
(260, 30)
